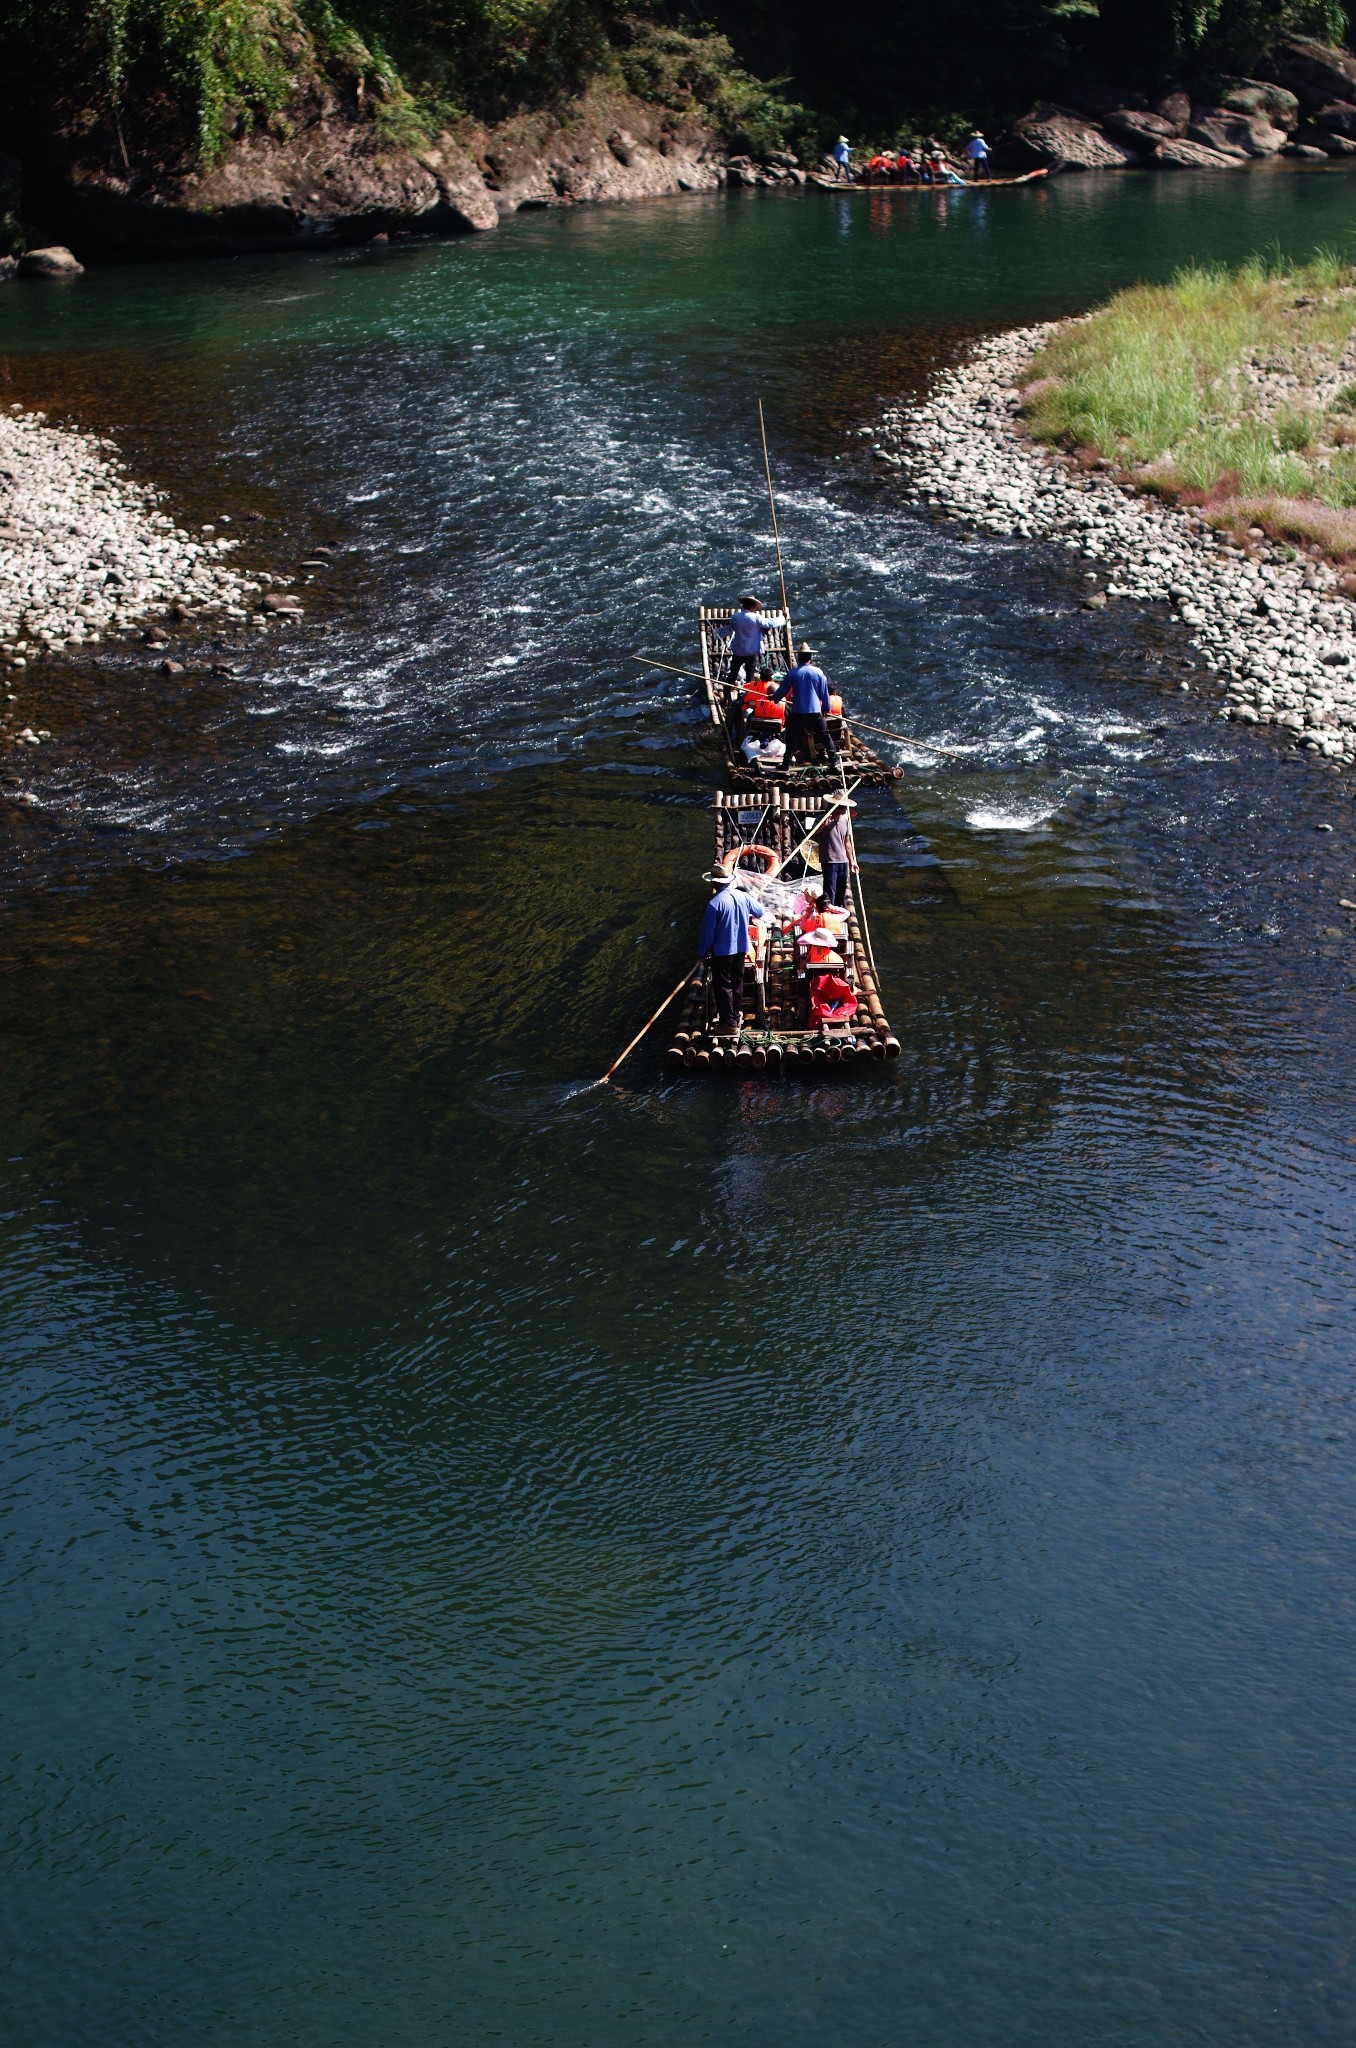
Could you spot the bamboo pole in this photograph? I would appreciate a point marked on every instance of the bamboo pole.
(648, 661)
(776, 534)
(671, 997)
(884, 732)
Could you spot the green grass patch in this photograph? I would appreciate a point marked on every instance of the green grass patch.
(1158, 382)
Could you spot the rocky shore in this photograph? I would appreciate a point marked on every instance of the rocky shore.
(84, 552)
(87, 556)
(1302, 103)
(1276, 625)
(332, 179)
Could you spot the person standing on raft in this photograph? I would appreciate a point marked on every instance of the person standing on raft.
(725, 943)
(977, 149)
(808, 688)
(842, 158)
(746, 641)
(833, 835)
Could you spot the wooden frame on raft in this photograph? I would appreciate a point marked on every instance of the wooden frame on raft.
(722, 701)
(783, 1041)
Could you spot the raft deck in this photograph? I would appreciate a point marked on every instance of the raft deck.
(723, 697)
(828, 183)
(777, 1034)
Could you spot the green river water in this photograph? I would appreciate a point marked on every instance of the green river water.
(805, 1565)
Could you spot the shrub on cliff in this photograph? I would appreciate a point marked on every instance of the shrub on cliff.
(132, 80)
(698, 73)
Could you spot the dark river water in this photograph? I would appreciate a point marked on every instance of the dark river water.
(796, 1565)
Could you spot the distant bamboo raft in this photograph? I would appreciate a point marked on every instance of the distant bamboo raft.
(723, 702)
(777, 1033)
(829, 183)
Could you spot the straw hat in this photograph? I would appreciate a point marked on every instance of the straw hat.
(843, 803)
(805, 652)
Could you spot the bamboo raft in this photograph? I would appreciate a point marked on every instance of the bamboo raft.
(777, 1034)
(724, 702)
(827, 183)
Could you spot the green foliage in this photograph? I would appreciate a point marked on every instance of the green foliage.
(699, 74)
(146, 78)
(194, 65)
(1146, 42)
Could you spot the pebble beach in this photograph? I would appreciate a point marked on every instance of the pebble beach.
(86, 553)
(1276, 626)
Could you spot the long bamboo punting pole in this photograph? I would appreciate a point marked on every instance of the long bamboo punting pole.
(671, 997)
(772, 503)
(648, 661)
(884, 732)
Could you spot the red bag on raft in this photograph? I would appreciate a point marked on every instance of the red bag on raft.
(831, 1000)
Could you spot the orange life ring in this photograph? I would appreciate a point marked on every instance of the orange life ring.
(730, 861)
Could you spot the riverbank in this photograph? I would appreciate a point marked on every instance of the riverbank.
(1270, 616)
(86, 555)
(336, 178)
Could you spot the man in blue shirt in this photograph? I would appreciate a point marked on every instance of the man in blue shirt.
(725, 942)
(842, 158)
(746, 640)
(808, 688)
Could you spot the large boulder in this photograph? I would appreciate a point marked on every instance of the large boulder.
(1315, 72)
(1063, 141)
(1325, 139)
(1257, 97)
(1186, 155)
(1339, 118)
(1175, 109)
(1217, 130)
(464, 206)
(1142, 131)
(1235, 134)
(53, 262)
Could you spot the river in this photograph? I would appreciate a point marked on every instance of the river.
(787, 1564)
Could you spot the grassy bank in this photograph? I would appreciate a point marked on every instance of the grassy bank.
(1233, 390)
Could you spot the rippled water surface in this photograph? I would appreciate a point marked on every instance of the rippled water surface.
(480, 1561)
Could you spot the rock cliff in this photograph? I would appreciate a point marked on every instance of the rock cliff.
(332, 179)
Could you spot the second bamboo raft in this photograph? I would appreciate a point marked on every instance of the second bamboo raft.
(777, 1033)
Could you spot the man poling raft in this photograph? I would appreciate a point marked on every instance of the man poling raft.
(727, 927)
(811, 705)
(833, 836)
